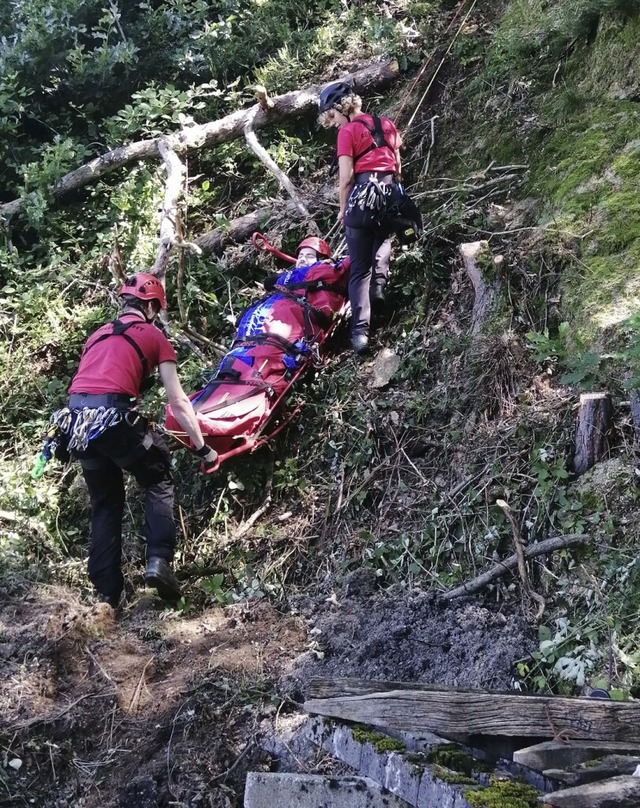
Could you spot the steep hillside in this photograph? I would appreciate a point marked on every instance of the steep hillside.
(330, 551)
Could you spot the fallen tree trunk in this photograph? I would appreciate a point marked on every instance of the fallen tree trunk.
(238, 230)
(289, 105)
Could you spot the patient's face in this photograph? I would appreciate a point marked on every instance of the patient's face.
(306, 257)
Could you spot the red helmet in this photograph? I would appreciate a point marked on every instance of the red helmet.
(146, 287)
(317, 244)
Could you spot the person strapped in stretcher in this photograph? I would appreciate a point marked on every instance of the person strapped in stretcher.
(277, 338)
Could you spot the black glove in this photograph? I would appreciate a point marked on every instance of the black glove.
(209, 459)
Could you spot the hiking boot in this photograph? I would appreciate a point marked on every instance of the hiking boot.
(159, 575)
(112, 600)
(360, 343)
(378, 299)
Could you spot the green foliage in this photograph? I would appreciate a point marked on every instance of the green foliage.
(504, 794)
(156, 110)
(549, 349)
(213, 586)
(565, 654)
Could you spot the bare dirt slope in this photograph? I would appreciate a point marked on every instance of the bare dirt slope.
(154, 708)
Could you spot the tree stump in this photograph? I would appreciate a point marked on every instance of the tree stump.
(481, 267)
(595, 418)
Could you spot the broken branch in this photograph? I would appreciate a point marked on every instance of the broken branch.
(528, 591)
(289, 105)
(167, 237)
(497, 571)
(265, 158)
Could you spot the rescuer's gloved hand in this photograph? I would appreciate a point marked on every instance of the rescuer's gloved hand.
(209, 458)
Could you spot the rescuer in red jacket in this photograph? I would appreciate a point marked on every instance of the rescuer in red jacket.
(108, 435)
(368, 152)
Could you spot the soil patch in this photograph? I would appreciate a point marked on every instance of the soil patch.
(156, 708)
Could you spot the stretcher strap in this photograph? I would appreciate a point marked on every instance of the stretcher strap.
(257, 385)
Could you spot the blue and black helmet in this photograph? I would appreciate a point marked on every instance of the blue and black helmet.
(333, 94)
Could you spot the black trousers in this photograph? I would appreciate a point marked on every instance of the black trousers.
(145, 455)
(370, 253)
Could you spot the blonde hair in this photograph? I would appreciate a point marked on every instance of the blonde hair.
(349, 105)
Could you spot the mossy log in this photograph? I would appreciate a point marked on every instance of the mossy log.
(595, 419)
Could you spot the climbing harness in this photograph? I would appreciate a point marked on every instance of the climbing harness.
(371, 196)
(73, 430)
(378, 139)
(83, 426)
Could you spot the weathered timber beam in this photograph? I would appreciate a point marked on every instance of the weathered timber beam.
(199, 136)
(419, 708)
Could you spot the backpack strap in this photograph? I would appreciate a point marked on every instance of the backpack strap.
(119, 329)
(377, 135)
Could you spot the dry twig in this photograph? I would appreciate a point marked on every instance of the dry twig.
(528, 591)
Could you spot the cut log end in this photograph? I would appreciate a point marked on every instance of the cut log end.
(593, 426)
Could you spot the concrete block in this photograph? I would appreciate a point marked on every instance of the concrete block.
(414, 784)
(556, 755)
(618, 792)
(401, 778)
(267, 790)
(434, 792)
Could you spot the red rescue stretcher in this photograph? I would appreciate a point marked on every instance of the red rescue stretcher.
(277, 340)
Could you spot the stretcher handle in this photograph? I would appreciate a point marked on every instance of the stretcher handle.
(260, 243)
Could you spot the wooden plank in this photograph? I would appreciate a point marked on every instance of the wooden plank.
(419, 708)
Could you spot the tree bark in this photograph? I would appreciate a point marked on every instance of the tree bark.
(595, 419)
(289, 105)
(173, 186)
(238, 230)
